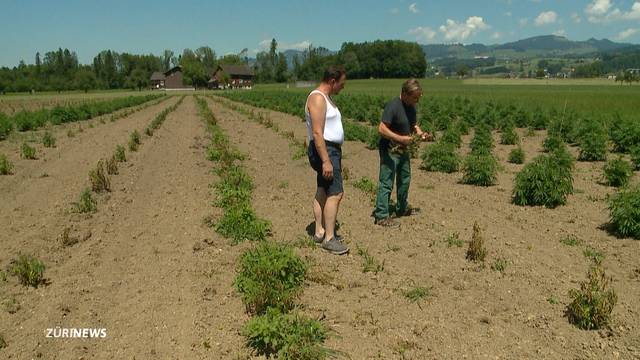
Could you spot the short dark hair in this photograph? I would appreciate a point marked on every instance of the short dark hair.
(333, 72)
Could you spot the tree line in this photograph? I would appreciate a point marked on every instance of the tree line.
(377, 59)
(60, 69)
(611, 63)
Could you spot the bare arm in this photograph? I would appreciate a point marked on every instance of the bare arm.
(317, 110)
(387, 133)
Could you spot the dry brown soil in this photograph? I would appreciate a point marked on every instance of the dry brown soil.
(149, 270)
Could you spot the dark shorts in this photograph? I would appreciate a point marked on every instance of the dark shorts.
(332, 186)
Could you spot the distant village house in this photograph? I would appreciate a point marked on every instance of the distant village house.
(169, 80)
(232, 76)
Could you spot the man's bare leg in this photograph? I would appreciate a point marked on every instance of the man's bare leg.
(318, 209)
(330, 214)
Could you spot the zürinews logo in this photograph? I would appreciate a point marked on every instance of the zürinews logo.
(80, 333)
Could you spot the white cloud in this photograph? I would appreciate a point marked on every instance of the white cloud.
(523, 22)
(508, 14)
(634, 14)
(462, 31)
(496, 35)
(601, 11)
(625, 34)
(266, 45)
(546, 17)
(560, 32)
(425, 33)
(598, 7)
(394, 11)
(576, 18)
(414, 8)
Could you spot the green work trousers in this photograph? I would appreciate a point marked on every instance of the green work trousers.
(393, 167)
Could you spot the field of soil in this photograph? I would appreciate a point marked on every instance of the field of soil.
(11, 104)
(147, 268)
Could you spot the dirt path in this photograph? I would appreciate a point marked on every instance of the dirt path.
(470, 312)
(151, 273)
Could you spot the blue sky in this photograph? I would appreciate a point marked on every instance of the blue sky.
(89, 26)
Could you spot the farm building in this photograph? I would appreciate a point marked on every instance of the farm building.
(157, 80)
(169, 80)
(232, 76)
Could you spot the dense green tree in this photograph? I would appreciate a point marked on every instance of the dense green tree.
(138, 79)
(85, 80)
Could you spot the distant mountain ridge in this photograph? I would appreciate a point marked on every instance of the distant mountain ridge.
(545, 45)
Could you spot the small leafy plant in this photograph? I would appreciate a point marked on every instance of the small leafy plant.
(270, 276)
(367, 186)
(482, 142)
(86, 204)
(6, 167)
(370, 264)
(454, 240)
(592, 304)
(48, 140)
(112, 166)
(119, 154)
(624, 213)
(417, 293)
(286, 336)
(476, 251)
(99, 180)
(617, 172)
(509, 136)
(594, 255)
(29, 270)
(635, 157)
(240, 223)
(134, 141)
(500, 265)
(544, 181)
(570, 240)
(516, 156)
(552, 142)
(593, 142)
(27, 152)
(441, 157)
(480, 170)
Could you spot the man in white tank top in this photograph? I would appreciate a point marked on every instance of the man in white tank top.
(325, 135)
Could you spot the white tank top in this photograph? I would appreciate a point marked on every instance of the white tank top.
(332, 121)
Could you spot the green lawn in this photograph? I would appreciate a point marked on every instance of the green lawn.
(597, 97)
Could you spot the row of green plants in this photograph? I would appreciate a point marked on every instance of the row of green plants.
(298, 148)
(159, 119)
(28, 269)
(49, 141)
(546, 180)
(31, 120)
(293, 104)
(270, 280)
(270, 276)
(99, 177)
(239, 221)
(593, 135)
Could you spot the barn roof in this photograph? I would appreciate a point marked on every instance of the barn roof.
(237, 69)
(157, 76)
